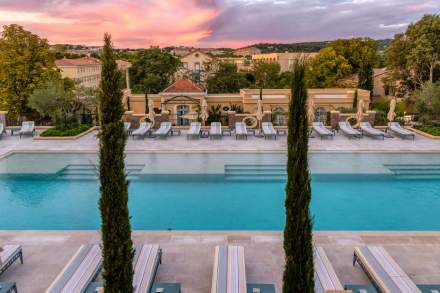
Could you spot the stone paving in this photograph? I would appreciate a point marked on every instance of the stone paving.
(188, 256)
(255, 144)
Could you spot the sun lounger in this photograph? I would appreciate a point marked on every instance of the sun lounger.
(229, 272)
(164, 130)
(8, 255)
(2, 129)
(400, 131)
(8, 287)
(194, 130)
(240, 130)
(145, 264)
(348, 130)
(27, 128)
(384, 272)
(80, 271)
(143, 130)
(215, 131)
(268, 130)
(325, 276)
(322, 131)
(369, 130)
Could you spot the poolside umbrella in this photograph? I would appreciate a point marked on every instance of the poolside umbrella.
(259, 110)
(311, 110)
(204, 111)
(391, 114)
(151, 110)
(360, 111)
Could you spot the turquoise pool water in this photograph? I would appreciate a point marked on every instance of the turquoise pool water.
(255, 201)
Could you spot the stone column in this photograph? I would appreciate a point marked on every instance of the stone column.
(334, 118)
(231, 119)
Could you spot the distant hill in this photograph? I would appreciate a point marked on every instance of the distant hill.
(308, 47)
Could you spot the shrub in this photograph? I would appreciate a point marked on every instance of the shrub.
(431, 129)
(60, 131)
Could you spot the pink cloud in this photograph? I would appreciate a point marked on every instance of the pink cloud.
(136, 23)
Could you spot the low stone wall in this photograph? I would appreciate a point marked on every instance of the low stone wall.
(336, 117)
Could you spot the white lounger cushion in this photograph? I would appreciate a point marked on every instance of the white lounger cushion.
(229, 275)
(347, 128)
(147, 260)
(240, 128)
(385, 272)
(164, 129)
(216, 129)
(195, 128)
(325, 276)
(79, 272)
(144, 127)
(27, 127)
(366, 126)
(268, 128)
(394, 126)
(321, 129)
(8, 252)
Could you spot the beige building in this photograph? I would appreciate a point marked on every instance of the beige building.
(84, 71)
(193, 65)
(247, 51)
(284, 59)
(87, 71)
(242, 63)
(184, 98)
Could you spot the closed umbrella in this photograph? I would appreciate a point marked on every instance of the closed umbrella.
(151, 110)
(259, 110)
(392, 113)
(162, 104)
(311, 111)
(204, 111)
(360, 111)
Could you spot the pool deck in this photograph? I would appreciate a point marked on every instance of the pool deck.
(188, 256)
(253, 144)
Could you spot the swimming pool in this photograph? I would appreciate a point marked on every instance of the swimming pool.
(223, 191)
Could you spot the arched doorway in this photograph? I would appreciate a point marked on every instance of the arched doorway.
(320, 115)
(182, 109)
(181, 115)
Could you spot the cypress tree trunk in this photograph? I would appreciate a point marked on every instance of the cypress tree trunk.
(298, 270)
(116, 231)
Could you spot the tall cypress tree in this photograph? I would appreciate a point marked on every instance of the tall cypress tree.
(116, 230)
(298, 270)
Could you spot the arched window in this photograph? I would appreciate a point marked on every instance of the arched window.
(181, 111)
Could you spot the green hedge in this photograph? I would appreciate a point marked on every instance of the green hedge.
(57, 131)
(431, 129)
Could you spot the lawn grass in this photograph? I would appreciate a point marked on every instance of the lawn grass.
(430, 129)
(57, 131)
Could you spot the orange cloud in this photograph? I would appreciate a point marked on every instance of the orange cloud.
(138, 23)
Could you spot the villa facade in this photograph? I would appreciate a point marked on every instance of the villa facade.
(183, 99)
(285, 60)
(84, 71)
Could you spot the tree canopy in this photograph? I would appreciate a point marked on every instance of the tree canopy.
(225, 79)
(266, 74)
(25, 64)
(153, 70)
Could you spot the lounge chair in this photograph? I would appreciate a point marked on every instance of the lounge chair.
(215, 131)
(164, 130)
(2, 129)
(400, 131)
(8, 255)
(268, 130)
(27, 128)
(146, 261)
(194, 130)
(229, 272)
(240, 130)
(325, 276)
(349, 131)
(143, 130)
(384, 272)
(322, 131)
(369, 130)
(82, 268)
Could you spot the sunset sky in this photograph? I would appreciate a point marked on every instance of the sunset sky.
(211, 23)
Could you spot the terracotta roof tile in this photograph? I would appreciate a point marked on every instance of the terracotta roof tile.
(77, 62)
(184, 86)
